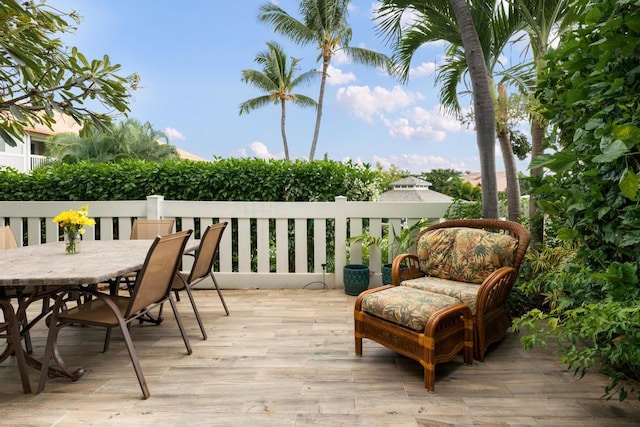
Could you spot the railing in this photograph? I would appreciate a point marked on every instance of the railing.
(273, 245)
(37, 160)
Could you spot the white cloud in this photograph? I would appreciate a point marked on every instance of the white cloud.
(174, 134)
(258, 150)
(340, 58)
(416, 163)
(424, 69)
(365, 103)
(402, 128)
(418, 124)
(435, 118)
(335, 76)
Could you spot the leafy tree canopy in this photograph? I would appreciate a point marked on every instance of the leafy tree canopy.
(40, 75)
(130, 139)
(590, 92)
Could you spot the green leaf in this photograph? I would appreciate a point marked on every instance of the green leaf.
(567, 234)
(629, 184)
(626, 133)
(611, 152)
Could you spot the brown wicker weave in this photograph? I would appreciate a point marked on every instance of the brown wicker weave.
(446, 333)
(492, 319)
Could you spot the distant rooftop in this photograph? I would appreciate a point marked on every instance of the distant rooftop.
(475, 178)
(413, 189)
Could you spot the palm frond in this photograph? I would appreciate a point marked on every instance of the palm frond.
(255, 103)
(304, 101)
(285, 24)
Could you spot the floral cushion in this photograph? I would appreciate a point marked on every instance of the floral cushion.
(465, 293)
(464, 254)
(406, 306)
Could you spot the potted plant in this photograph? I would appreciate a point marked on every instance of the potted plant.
(400, 243)
(356, 278)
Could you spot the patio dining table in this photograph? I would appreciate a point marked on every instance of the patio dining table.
(50, 270)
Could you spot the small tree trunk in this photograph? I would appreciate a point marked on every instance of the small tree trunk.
(316, 131)
(511, 171)
(282, 130)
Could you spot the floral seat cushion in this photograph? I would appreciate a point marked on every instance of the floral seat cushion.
(464, 254)
(465, 293)
(405, 306)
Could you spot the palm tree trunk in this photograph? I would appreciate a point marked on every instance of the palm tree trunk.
(282, 130)
(483, 106)
(510, 169)
(536, 222)
(323, 81)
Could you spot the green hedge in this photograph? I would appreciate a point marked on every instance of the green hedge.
(225, 179)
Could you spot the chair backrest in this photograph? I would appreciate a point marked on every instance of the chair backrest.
(150, 228)
(513, 229)
(153, 282)
(206, 254)
(7, 239)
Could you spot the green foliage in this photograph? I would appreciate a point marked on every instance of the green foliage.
(391, 243)
(590, 92)
(224, 179)
(440, 179)
(461, 209)
(40, 76)
(130, 139)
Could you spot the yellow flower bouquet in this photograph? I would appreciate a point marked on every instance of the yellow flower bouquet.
(72, 224)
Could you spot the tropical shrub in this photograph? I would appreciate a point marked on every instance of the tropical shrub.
(224, 179)
(590, 93)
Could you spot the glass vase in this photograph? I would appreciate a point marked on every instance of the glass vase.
(72, 242)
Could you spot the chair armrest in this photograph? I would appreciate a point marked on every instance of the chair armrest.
(405, 267)
(495, 290)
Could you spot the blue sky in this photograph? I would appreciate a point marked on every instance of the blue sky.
(190, 55)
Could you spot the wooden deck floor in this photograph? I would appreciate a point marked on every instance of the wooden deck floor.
(286, 358)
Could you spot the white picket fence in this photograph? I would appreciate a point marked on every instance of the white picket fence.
(28, 219)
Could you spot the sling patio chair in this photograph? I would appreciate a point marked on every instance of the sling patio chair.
(140, 230)
(152, 288)
(150, 228)
(202, 269)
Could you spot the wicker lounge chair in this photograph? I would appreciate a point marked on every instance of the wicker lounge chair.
(487, 289)
(472, 263)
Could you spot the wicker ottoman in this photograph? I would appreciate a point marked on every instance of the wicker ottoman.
(427, 327)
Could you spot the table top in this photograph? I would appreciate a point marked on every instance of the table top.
(96, 262)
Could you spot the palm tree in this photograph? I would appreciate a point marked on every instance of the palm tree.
(130, 139)
(455, 22)
(495, 33)
(324, 23)
(277, 80)
(545, 20)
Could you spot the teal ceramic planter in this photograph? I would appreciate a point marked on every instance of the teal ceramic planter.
(356, 278)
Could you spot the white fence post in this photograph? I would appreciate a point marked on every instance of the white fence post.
(154, 206)
(340, 239)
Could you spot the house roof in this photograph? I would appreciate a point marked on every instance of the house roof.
(475, 178)
(411, 182)
(63, 124)
(189, 156)
(413, 190)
